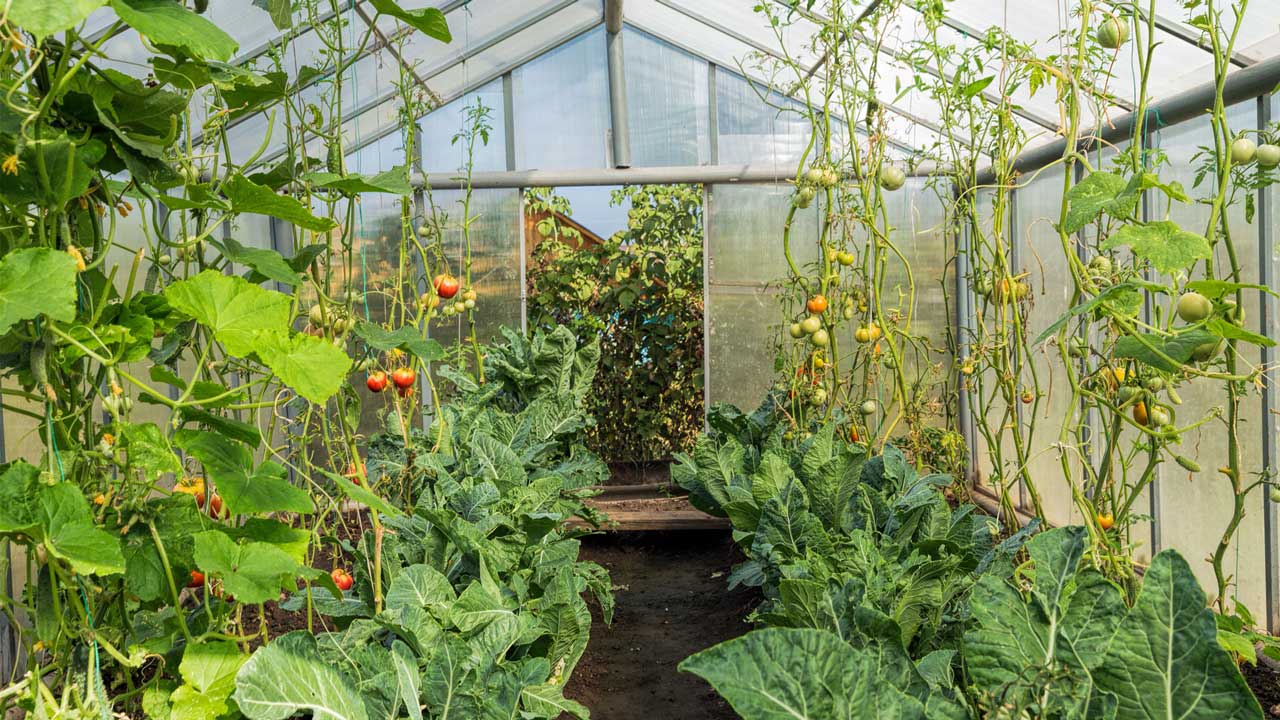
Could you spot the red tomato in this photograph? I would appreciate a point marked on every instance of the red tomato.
(342, 579)
(214, 508)
(197, 579)
(354, 474)
(403, 377)
(377, 382)
(446, 285)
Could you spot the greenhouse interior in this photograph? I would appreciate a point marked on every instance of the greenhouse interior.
(764, 359)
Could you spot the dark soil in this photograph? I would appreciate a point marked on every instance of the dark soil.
(672, 601)
(639, 473)
(1265, 684)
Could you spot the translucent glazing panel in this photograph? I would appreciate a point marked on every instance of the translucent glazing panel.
(439, 151)
(561, 106)
(756, 126)
(1257, 34)
(1195, 507)
(993, 441)
(744, 319)
(495, 259)
(1039, 204)
(668, 103)
(472, 25)
(691, 24)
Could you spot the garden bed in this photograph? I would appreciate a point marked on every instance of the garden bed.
(671, 603)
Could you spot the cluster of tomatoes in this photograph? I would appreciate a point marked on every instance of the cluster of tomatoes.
(403, 378)
(446, 288)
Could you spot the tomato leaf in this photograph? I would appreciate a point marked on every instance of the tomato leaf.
(362, 495)
(1231, 331)
(1168, 247)
(1216, 289)
(35, 282)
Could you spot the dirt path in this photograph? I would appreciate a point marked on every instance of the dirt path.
(673, 602)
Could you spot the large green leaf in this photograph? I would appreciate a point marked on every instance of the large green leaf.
(51, 171)
(245, 490)
(253, 572)
(235, 309)
(1168, 247)
(289, 676)
(209, 670)
(313, 367)
(1164, 660)
(70, 533)
(420, 586)
(405, 338)
(247, 196)
(268, 263)
(394, 181)
(800, 674)
(149, 450)
(43, 18)
(168, 22)
(1177, 347)
(1099, 192)
(18, 488)
(34, 282)
(429, 21)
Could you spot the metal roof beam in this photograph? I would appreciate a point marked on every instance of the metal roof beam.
(1245, 84)
(682, 174)
(1191, 36)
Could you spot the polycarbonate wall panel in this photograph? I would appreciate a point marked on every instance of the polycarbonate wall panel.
(919, 297)
(440, 154)
(744, 235)
(758, 127)
(1196, 507)
(495, 260)
(1039, 204)
(668, 103)
(988, 407)
(561, 106)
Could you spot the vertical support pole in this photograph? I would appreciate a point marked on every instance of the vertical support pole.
(621, 129)
(707, 199)
(1268, 263)
(524, 263)
(713, 121)
(963, 325)
(1015, 259)
(1149, 213)
(8, 638)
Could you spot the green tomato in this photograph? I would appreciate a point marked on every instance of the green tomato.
(845, 258)
(1207, 351)
(1159, 417)
(819, 396)
(814, 176)
(1154, 384)
(1126, 393)
(1268, 155)
(892, 177)
(1275, 494)
(165, 260)
(811, 324)
(316, 316)
(1194, 307)
(1113, 32)
(1243, 151)
(820, 338)
(869, 407)
(1101, 265)
(796, 331)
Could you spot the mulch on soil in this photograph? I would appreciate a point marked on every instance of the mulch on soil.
(672, 601)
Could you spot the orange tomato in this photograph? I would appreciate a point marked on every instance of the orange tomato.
(817, 304)
(1106, 521)
(1140, 414)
